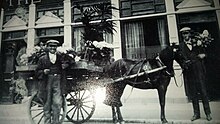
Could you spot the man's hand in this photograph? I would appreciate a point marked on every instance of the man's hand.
(46, 71)
(201, 56)
(64, 66)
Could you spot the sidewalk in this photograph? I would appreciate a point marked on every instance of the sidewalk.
(139, 106)
(147, 111)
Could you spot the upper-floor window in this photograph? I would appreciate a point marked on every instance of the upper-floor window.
(141, 7)
(85, 4)
(59, 12)
(55, 7)
(177, 2)
(14, 35)
(21, 12)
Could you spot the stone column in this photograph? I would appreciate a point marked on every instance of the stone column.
(31, 31)
(1, 68)
(67, 24)
(1, 25)
(171, 20)
(117, 34)
(217, 6)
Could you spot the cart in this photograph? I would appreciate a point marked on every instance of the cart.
(79, 102)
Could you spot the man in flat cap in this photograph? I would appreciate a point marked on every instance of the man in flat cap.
(194, 75)
(50, 73)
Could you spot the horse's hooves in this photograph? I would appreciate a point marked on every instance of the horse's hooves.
(164, 122)
(122, 122)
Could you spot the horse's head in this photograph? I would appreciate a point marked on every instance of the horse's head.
(171, 53)
(179, 57)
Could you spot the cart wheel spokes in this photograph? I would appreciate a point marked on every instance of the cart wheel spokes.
(80, 106)
(36, 112)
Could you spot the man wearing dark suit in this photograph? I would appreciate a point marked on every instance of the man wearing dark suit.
(194, 75)
(50, 74)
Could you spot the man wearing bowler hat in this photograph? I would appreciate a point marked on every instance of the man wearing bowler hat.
(50, 73)
(195, 74)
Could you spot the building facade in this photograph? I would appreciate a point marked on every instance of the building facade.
(143, 28)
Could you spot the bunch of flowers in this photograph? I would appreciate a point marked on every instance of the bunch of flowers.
(98, 52)
(203, 39)
(68, 55)
(33, 56)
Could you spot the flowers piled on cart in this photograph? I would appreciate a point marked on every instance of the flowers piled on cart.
(98, 52)
(32, 57)
(203, 39)
(67, 56)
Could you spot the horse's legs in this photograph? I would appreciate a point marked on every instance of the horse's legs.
(162, 95)
(120, 118)
(114, 116)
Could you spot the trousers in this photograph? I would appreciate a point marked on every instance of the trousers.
(195, 99)
(53, 101)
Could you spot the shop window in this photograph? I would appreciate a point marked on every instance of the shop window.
(144, 38)
(78, 40)
(141, 7)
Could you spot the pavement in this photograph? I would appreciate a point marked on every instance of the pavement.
(139, 106)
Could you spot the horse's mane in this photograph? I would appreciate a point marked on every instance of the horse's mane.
(117, 68)
(167, 56)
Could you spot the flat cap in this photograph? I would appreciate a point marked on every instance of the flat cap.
(185, 29)
(52, 42)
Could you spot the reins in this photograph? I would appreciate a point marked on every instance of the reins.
(174, 77)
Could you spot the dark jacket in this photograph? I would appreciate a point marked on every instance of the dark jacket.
(194, 75)
(44, 63)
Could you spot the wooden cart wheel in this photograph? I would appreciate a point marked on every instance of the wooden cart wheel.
(36, 113)
(80, 106)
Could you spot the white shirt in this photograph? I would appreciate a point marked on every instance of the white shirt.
(189, 44)
(52, 57)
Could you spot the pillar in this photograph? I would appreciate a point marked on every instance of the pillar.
(117, 33)
(217, 6)
(31, 31)
(1, 69)
(171, 20)
(67, 24)
(1, 25)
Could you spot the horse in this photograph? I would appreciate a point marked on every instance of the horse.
(159, 79)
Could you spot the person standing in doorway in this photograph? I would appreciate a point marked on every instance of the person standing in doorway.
(50, 72)
(195, 74)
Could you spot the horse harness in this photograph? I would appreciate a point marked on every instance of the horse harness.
(159, 64)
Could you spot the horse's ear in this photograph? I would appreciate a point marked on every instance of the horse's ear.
(174, 45)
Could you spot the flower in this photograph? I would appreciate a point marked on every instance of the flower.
(24, 59)
(99, 52)
(203, 39)
(102, 44)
